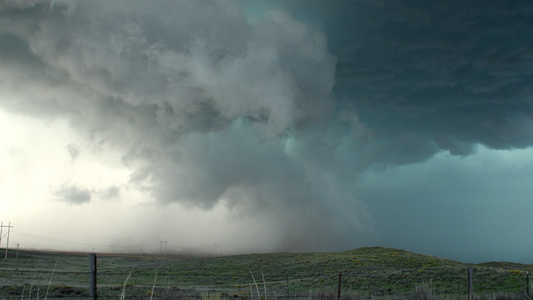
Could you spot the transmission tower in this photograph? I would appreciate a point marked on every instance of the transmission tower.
(161, 252)
(6, 234)
(215, 249)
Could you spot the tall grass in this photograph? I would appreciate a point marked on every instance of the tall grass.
(123, 294)
(256, 286)
(32, 281)
(50, 282)
(212, 296)
(424, 292)
(153, 287)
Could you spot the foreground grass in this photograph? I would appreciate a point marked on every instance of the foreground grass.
(377, 273)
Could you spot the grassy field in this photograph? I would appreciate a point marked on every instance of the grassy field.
(366, 273)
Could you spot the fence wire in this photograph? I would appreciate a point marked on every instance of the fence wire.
(157, 280)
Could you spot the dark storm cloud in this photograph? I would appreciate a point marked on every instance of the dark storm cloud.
(443, 75)
(422, 77)
(426, 76)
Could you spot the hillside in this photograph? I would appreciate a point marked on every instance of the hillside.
(370, 271)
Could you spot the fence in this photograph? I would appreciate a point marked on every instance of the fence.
(36, 277)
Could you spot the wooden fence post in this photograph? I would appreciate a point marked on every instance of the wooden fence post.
(92, 276)
(527, 284)
(288, 289)
(339, 289)
(470, 274)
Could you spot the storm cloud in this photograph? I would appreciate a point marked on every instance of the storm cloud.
(276, 110)
(202, 103)
(449, 75)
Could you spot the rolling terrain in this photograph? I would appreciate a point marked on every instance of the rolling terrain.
(370, 272)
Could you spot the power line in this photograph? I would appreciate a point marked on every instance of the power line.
(73, 242)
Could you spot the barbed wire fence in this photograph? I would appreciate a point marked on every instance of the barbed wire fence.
(153, 280)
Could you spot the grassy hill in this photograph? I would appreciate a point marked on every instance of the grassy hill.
(364, 272)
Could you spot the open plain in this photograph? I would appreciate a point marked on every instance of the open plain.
(364, 273)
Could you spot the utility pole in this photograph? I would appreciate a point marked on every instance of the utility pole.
(18, 244)
(161, 253)
(2, 234)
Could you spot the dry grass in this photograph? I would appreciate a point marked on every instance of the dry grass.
(367, 273)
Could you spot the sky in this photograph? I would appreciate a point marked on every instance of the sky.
(257, 126)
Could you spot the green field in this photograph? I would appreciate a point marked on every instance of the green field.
(365, 273)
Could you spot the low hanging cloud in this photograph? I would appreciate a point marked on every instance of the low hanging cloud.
(204, 106)
(73, 194)
(74, 151)
(110, 193)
